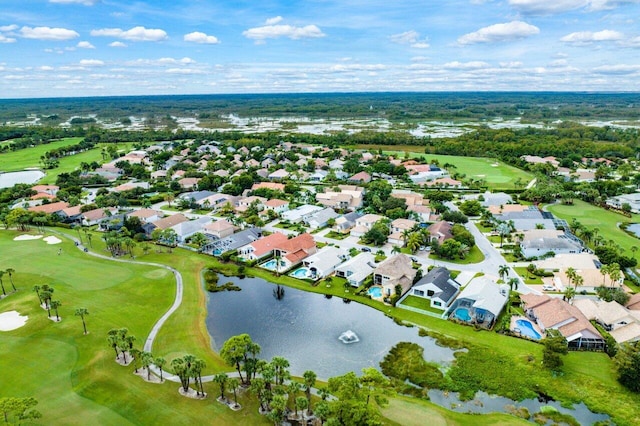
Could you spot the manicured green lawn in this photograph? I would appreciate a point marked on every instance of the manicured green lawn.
(420, 303)
(475, 256)
(526, 276)
(336, 235)
(497, 174)
(30, 157)
(604, 220)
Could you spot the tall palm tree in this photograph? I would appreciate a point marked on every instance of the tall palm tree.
(36, 288)
(513, 283)
(1, 284)
(604, 270)
(55, 304)
(503, 271)
(578, 281)
(504, 230)
(309, 382)
(221, 379)
(113, 342)
(197, 367)
(82, 312)
(10, 272)
(147, 360)
(571, 274)
(569, 294)
(233, 384)
(615, 274)
(160, 363)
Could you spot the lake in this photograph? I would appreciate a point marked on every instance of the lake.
(305, 328)
(7, 180)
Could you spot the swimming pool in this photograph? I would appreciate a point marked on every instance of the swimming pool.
(271, 265)
(375, 292)
(300, 273)
(217, 252)
(462, 314)
(526, 329)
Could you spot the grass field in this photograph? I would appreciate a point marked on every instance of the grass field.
(604, 220)
(498, 175)
(76, 380)
(475, 256)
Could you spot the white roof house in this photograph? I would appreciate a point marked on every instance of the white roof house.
(356, 269)
(301, 213)
(325, 261)
(480, 302)
(186, 229)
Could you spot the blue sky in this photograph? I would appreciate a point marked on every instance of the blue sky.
(51, 48)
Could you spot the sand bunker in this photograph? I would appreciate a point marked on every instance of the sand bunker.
(12, 320)
(26, 237)
(52, 240)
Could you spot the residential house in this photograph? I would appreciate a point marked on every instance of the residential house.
(301, 213)
(633, 200)
(196, 196)
(347, 197)
(218, 229)
(278, 206)
(269, 185)
(364, 224)
(634, 302)
(399, 227)
(317, 176)
(530, 218)
(357, 269)
(95, 216)
(45, 191)
(621, 323)
(51, 208)
(217, 201)
(261, 248)
(146, 215)
(346, 222)
(279, 174)
(189, 183)
(321, 218)
(440, 231)
(555, 313)
(362, 177)
(71, 214)
(410, 198)
(539, 242)
(438, 287)
(585, 264)
(245, 203)
(420, 173)
(479, 303)
(164, 223)
(393, 271)
(294, 250)
(325, 261)
(233, 241)
(158, 174)
(444, 182)
(186, 229)
(535, 159)
(423, 213)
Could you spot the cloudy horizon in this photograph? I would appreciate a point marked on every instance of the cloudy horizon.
(71, 48)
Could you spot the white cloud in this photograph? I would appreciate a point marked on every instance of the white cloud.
(500, 32)
(117, 44)
(472, 65)
(411, 38)
(617, 69)
(84, 2)
(277, 31)
(85, 45)
(185, 71)
(548, 7)
(511, 65)
(134, 34)
(46, 68)
(202, 38)
(47, 33)
(6, 40)
(91, 63)
(273, 21)
(587, 37)
(6, 28)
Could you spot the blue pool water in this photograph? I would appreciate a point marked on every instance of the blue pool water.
(526, 329)
(270, 264)
(300, 273)
(217, 252)
(463, 314)
(375, 292)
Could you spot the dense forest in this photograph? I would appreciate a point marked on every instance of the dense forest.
(477, 106)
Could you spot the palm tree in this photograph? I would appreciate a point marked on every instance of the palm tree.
(136, 356)
(1, 284)
(604, 270)
(503, 271)
(571, 274)
(196, 371)
(10, 271)
(46, 297)
(36, 288)
(615, 274)
(82, 312)
(323, 393)
(221, 379)
(113, 341)
(578, 281)
(181, 369)
(147, 360)
(569, 294)
(309, 382)
(513, 283)
(160, 363)
(396, 249)
(233, 384)
(55, 304)
(414, 242)
(129, 341)
(504, 230)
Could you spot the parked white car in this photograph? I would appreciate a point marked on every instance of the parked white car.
(548, 287)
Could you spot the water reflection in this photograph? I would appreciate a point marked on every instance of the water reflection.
(304, 328)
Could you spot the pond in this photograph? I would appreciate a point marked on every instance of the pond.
(484, 403)
(634, 228)
(7, 180)
(306, 328)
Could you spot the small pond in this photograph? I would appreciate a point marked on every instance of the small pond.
(484, 403)
(305, 328)
(634, 228)
(7, 180)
